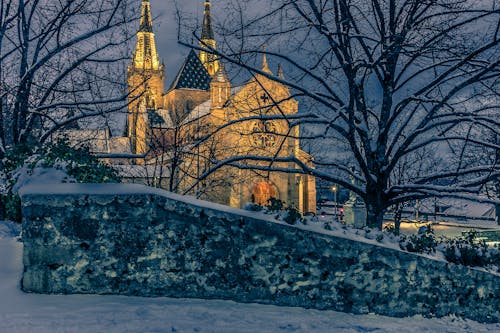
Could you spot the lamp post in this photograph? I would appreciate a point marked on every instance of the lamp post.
(416, 210)
(334, 189)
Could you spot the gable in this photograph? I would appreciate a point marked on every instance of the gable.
(254, 97)
(192, 75)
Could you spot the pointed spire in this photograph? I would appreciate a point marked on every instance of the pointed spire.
(281, 75)
(146, 23)
(221, 75)
(207, 32)
(208, 59)
(145, 56)
(265, 67)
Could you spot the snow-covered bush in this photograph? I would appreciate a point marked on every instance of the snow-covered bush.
(425, 242)
(292, 215)
(10, 207)
(275, 205)
(78, 163)
(466, 250)
(52, 163)
(289, 214)
(253, 207)
(470, 251)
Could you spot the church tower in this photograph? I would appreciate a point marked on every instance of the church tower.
(145, 79)
(220, 89)
(209, 60)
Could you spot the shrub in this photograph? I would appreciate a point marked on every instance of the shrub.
(292, 215)
(469, 251)
(16, 157)
(275, 205)
(10, 207)
(390, 228)
(422, 243)
(78, 163)
(253, 207)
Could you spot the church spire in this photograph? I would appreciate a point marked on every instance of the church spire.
(207, 32)
(145, 78)
(209, 60)
(265, 66)
(145, 56)
(281, 74)
(146, 22)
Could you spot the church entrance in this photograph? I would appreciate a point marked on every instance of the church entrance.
(262, 192)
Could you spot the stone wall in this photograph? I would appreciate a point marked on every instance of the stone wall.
(132, 240)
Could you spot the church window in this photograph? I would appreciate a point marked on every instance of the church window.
(263, 191)
(264, 134)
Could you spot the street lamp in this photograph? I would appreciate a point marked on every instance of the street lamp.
(334, 189)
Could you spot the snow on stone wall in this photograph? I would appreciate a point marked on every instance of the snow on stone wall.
(132, 240)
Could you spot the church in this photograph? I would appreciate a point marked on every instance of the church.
(223, 143)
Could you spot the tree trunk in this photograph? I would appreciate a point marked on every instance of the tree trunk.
(397, 218)
(375, 206)
(374, 217)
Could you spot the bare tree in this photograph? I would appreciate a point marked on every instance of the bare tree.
(180, 149)
(384, 79)
(58, 63)
(411, 167)
(472, 155)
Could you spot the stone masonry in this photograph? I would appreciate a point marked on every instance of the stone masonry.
(133, 240)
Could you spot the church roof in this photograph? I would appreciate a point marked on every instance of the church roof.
(192, 75)
(198, 112)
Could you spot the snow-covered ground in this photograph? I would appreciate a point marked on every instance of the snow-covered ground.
(21, 312)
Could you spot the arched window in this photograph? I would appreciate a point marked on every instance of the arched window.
(262, 191)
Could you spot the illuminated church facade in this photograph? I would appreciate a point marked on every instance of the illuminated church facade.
(202, 121)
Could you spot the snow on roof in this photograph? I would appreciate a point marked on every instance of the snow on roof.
(119, 145)
(95, 139)
(459, 207)
(198, 112)
(236, 89)
(98, 140)
(167, 120)
(141, 171)
(469, 208)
